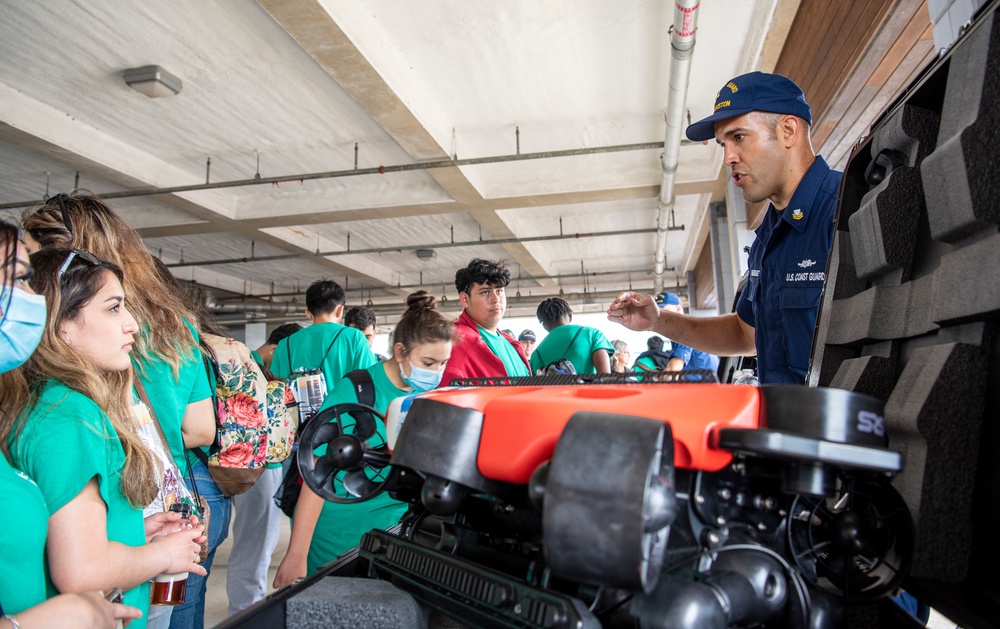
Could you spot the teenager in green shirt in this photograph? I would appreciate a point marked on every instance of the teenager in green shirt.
(79, 397)
(23, 584)
(326, 344)
(587, 348)
(321, 531)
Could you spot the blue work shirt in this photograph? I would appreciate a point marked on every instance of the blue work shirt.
(694, 358)
(787, 270)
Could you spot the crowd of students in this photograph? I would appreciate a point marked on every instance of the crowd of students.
(105, 393)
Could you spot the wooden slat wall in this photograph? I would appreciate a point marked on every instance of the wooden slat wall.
(704, 281)
(852, 59)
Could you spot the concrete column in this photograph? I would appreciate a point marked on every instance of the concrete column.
(740, 235)
(256, 334)
(725, 284)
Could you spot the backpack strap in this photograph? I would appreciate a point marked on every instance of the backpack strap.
(571, 341)
(364, 386)
(327, 353)
(288, 348)
(566, 351)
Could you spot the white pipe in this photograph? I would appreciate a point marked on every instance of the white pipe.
(681, 49)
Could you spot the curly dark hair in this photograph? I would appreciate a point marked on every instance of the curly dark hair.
(359, 317)
(479, 271)
(282, 332)
(553, 309)
(422, 323)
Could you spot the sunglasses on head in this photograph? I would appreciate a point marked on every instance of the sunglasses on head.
(78, 254)
(61, 199)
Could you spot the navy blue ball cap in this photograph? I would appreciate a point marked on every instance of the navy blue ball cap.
(756, 91)
(667, 299)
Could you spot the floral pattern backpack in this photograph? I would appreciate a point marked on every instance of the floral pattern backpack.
(239, 455)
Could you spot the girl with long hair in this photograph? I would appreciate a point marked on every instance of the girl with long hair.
(167, 359)
(322, 531)
(77, 406)
(23, 596)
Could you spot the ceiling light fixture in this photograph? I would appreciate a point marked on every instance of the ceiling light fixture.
(153, 81)
(426, 254)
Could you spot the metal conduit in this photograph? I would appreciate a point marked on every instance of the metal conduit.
(385, 310)
(379, 170)
(362, 289)
(443, 245)
(681, 48)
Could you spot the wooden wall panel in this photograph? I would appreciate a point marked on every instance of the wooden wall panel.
(853, 62)
(704, 281)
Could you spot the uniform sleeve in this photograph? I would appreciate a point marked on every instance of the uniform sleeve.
(64, 447)
(279, 362)
(744, 309)
(681, 351)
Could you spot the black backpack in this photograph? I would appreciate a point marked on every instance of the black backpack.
(288, 492)
(659, 358)
(560, 367)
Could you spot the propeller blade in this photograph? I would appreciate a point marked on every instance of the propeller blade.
(357, 483)
(323, 471)
(365, 425)
(325, 434)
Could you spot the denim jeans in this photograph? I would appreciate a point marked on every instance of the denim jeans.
(191, 614)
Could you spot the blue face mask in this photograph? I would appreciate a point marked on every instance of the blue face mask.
(21, 326)
(422, 379)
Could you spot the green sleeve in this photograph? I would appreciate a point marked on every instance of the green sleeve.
(279, 362)
(84, 436)
(599, 341)
(535, 361)
(363, 355)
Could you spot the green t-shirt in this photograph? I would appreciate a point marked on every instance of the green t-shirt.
(341, 526)
(557, 345)
(22, 542)
(311, 348)
(66, 441)
(256, 357)
(505, 351)
(169, 395)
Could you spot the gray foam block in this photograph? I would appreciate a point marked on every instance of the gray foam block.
(965, 287)
(933, 415)
(346, 603)
(883, 313)
(960, 175)
(884, 228)
(871, 375)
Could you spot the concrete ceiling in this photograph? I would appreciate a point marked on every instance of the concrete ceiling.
(298, 84)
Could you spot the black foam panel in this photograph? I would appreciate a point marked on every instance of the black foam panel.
(912, 303)
(960, 176)
(884, 228)
(934, 410)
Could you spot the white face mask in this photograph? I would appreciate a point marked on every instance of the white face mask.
(422, 379)
(21, 326)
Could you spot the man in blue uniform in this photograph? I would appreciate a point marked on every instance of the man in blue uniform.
(681, 356)
(762, 122)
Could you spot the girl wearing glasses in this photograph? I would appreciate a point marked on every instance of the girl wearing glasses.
(75, 435)
(166, 356)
